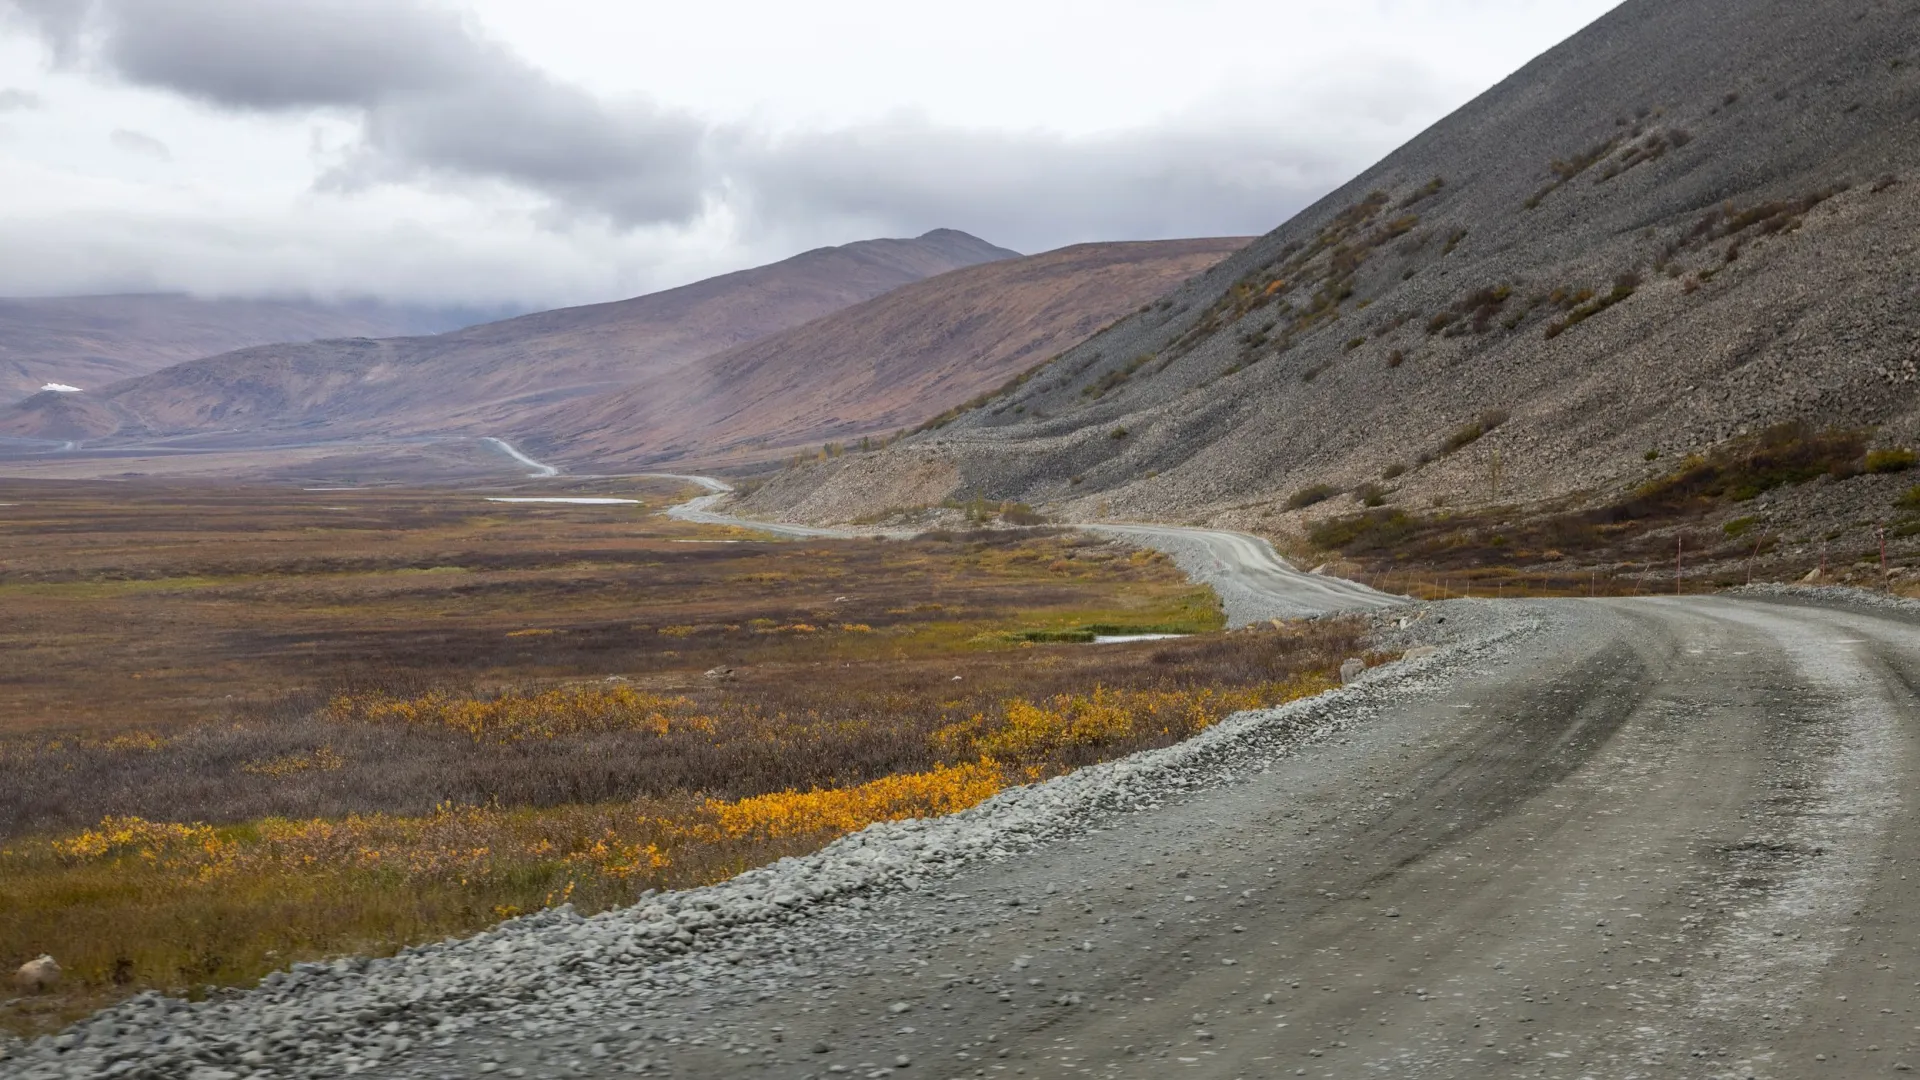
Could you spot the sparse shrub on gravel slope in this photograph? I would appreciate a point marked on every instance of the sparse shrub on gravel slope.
(1393, 540)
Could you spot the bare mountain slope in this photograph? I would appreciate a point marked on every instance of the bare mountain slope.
(888, 363)
(1694, 218)
(480, 376)
(90, 341)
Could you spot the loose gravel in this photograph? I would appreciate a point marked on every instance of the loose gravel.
(1847, 595)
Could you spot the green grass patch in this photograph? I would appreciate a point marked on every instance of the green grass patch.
(1890, 460)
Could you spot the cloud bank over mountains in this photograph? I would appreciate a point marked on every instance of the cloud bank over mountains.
(411, 100)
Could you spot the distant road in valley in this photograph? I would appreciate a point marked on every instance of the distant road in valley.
(1253, 581)
(541, 470)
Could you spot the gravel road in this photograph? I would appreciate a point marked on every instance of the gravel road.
(1613, 838)
(1253, 581)
(701, 511)
(541, 470)
(1666, 837)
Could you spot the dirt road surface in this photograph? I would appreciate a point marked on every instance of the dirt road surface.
(701, 511)
(1672, 837)
(1253, 581)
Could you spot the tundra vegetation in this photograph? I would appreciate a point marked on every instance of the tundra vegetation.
(245, 727)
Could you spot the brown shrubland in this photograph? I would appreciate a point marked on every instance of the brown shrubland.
(445, 715)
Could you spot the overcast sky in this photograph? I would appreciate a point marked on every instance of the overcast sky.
(539, 152)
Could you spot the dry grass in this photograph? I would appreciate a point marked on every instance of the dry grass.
(449, 749)
(163, 606)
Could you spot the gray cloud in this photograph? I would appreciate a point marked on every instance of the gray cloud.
(437, 100)
(12, 100)
(432, 102)
(298, 54)
(435, 97)
(1035, 189)
(140, 144)
(57, 22)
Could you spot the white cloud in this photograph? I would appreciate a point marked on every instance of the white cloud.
(140, 144)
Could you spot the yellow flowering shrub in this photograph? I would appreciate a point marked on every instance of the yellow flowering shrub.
(511, 717)
(194, 851)
(1028, 731)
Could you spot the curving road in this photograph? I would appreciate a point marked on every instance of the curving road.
(701, 510)
(1644, 837)
(1253, 581)
(1674, 837)
(541, 470)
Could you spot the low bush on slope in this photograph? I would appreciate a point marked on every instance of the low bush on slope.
(1387, 539)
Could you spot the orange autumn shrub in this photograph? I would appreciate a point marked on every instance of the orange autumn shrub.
(943, 790)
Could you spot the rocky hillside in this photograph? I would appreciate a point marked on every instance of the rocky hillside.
(480, 377)
(1694, 219)
(876, 367)
(90, 341)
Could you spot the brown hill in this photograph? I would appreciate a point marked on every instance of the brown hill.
(876, 367)
(91, 341)
(476, 378)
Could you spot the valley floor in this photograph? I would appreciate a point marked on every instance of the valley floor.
(245, 726)
(1613, 837)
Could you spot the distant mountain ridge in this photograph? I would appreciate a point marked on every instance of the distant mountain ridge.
(92, 341)
(479, 377)
(885, 364)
